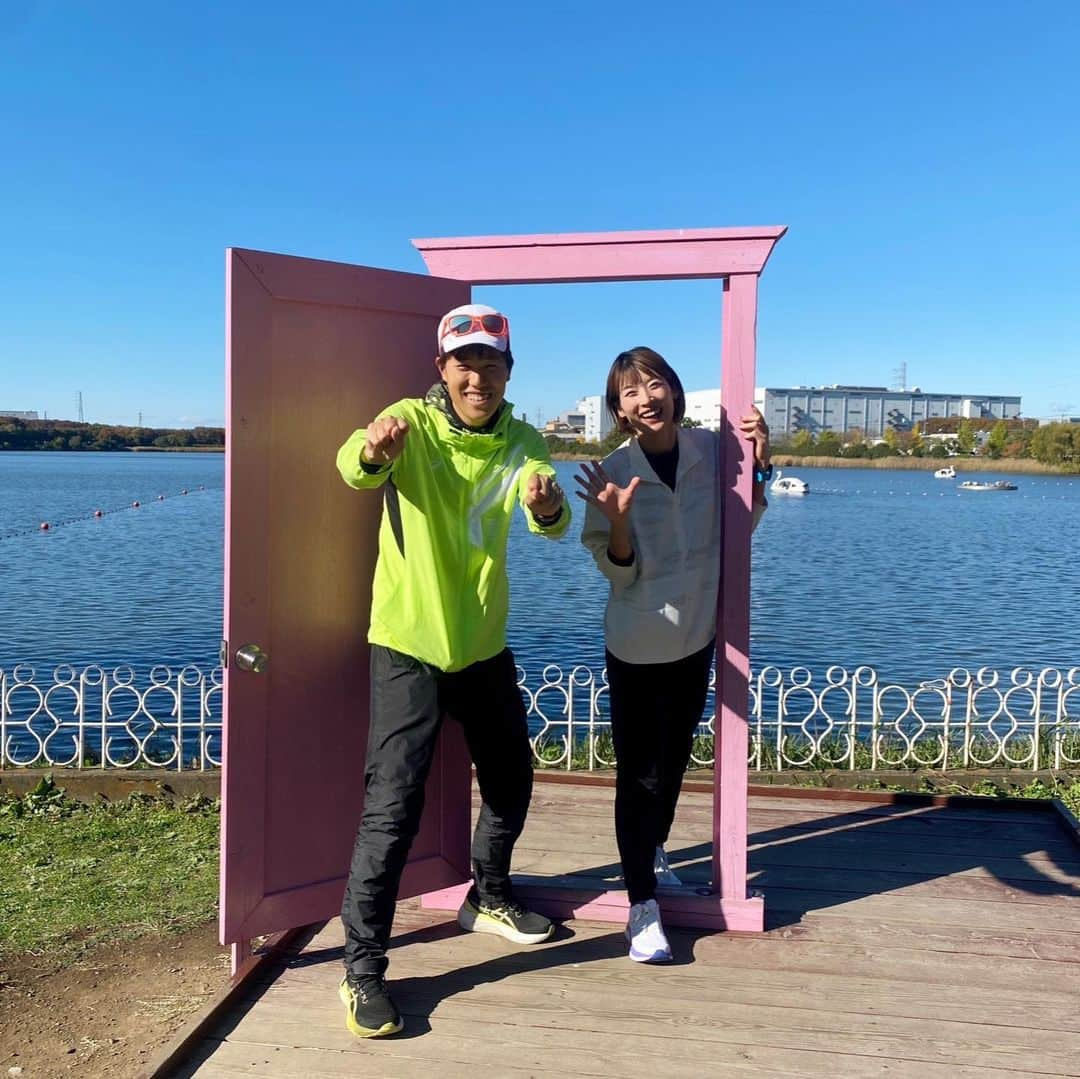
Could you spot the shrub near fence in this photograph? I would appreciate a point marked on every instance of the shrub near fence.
(170, 719)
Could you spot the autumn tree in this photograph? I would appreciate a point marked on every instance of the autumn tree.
(999, 435)
(828, 444)
(965, 436)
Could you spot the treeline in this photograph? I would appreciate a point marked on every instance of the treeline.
(1056, 444)
(18, 434)
(562, 446)
(611, 441)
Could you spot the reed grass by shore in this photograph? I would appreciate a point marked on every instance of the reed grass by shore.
(1016, 465)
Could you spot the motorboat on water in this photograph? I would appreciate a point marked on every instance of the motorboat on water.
(946, 473)
(788, 485)
(979, 485)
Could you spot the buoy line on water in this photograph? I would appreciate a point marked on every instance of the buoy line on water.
(96, 514)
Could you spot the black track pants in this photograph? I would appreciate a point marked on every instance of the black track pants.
(408, 700)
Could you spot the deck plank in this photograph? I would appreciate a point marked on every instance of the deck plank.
(379, 1061)
(900, 942)
(538, 1015)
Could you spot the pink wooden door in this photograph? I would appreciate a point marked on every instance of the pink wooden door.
(315, 350)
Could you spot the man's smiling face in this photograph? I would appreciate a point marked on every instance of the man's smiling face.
(476, 378)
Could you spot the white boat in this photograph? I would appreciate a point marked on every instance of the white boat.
(946, 473)
(979, 485)
(788, 485)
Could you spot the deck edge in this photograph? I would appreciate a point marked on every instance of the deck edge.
(278, 949)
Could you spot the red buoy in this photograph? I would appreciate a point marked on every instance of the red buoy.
(44, 526)
(97, 513)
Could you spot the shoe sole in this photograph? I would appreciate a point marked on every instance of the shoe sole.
(642, 957)
(474, 922)
(656, 957)
(354, 1027)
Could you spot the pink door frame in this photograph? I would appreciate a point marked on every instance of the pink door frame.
(737, 256)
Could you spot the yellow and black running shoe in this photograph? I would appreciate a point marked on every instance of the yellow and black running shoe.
(505, 919)
(369, 1011)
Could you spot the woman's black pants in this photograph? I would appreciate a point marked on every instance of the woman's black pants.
(655, 712)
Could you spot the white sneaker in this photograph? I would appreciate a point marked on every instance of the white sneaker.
(665, 876)
(646, 935)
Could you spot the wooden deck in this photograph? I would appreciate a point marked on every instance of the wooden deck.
(902, 940)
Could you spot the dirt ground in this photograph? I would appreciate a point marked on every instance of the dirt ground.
(108, 1013)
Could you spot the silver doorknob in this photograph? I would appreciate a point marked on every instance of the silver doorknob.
(250, 657)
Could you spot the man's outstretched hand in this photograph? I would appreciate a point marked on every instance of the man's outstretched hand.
(543, 495)
(385, 440)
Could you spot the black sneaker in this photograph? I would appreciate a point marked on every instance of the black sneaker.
(506, 919)
(369, 1011)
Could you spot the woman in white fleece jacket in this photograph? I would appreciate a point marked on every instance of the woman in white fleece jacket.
(652, 524)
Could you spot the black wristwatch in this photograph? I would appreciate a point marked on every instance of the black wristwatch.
(549, 520)
(762, 475)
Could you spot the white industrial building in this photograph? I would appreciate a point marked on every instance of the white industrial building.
(704, 406)
(598, 423)
(871, 409)
(701, 405)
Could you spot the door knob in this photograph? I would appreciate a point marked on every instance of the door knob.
(250, 657)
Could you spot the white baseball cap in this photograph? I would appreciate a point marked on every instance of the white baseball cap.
(473, 324)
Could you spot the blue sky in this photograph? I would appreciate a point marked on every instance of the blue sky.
(924, 156)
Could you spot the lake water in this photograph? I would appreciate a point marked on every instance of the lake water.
(896, 570)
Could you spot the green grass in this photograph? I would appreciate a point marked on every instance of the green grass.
(1068, 790)
(77, 875)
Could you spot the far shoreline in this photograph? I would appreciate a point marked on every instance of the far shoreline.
(1014, 465)
(118, 449)
(167, 449)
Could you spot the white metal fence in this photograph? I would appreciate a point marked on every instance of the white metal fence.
(170, 718)
(164, 718)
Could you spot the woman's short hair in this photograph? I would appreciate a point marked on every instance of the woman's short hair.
(646, 364)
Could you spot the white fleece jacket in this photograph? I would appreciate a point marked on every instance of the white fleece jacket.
(662, 607)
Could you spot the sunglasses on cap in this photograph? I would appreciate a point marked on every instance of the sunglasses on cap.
(460, 325)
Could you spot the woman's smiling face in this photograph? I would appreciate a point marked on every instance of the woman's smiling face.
(647, 404)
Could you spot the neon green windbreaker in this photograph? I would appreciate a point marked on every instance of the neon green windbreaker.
(441, 593)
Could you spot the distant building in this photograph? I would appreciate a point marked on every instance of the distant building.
(704, 406)
(871, 409)
(14, 414)
(598, 423)
(701, 405)
(567, 425)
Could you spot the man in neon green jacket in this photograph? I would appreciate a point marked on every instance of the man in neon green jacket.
(452, 467)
